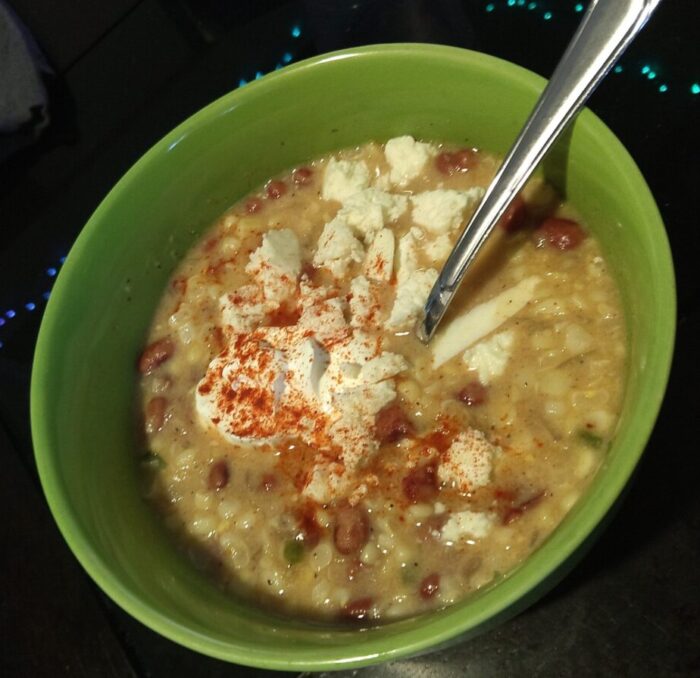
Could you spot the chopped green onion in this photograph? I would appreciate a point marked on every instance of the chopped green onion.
(293, 551)
(591, 439)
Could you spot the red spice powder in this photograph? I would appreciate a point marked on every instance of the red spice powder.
(244, 396)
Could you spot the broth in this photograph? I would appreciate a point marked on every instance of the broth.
(311, 452)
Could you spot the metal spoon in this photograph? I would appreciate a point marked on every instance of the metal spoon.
(607, 29)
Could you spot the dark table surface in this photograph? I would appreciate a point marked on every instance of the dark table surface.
(632, 606)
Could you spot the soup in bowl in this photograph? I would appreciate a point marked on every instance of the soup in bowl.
(341, 494)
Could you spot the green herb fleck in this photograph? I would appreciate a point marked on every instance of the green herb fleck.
(293, 551)
(591, 439)
(409, 575)
(153, 461)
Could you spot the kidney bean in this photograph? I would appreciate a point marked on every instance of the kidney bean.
(218, 475)
(431, 527)
(155, 354)
(308, 525)
(276, 189)
(254, 205)
(216, 339)
(473, 394)
(180, 285)
(449, 162)
(302, 175)
(421, 484)
(310, 271)
(515, 216)
(471, 566)
(392, 424)
(210, 244)
(429, 586)
(284, 316)
(511, 513)
(155, 414)
(443, 162)
(351, 529)
(505, 495)
(561, 234)
(268, 482)
(358, 609)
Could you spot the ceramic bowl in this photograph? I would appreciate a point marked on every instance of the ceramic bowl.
(83, 382)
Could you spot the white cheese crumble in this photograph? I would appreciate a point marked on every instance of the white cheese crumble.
(356, 385)
(364, 307)
(368, 210)
(355, 363)
(439, 248)
(407, 254)
(382, 367)
(411, 295)
(319, 380)
(490, 357)
(466, 524)
(322, 315)
(359, 403)
(276, 264)
(442, 210)
(354, 348)
(344, 178)
(382, 182)
(307, 360)
(258, 367)
(407, 158)
(245, 309)
(327, 480)
(379, 262)
(468, 462)
(352, 431)
(325, 319)
(338, 248)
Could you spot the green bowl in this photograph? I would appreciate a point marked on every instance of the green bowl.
(100, 309)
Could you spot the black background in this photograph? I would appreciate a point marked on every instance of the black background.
(128, 71)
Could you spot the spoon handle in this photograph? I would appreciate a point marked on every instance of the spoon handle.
(606, 30)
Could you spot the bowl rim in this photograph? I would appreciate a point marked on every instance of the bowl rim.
(437, 628)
